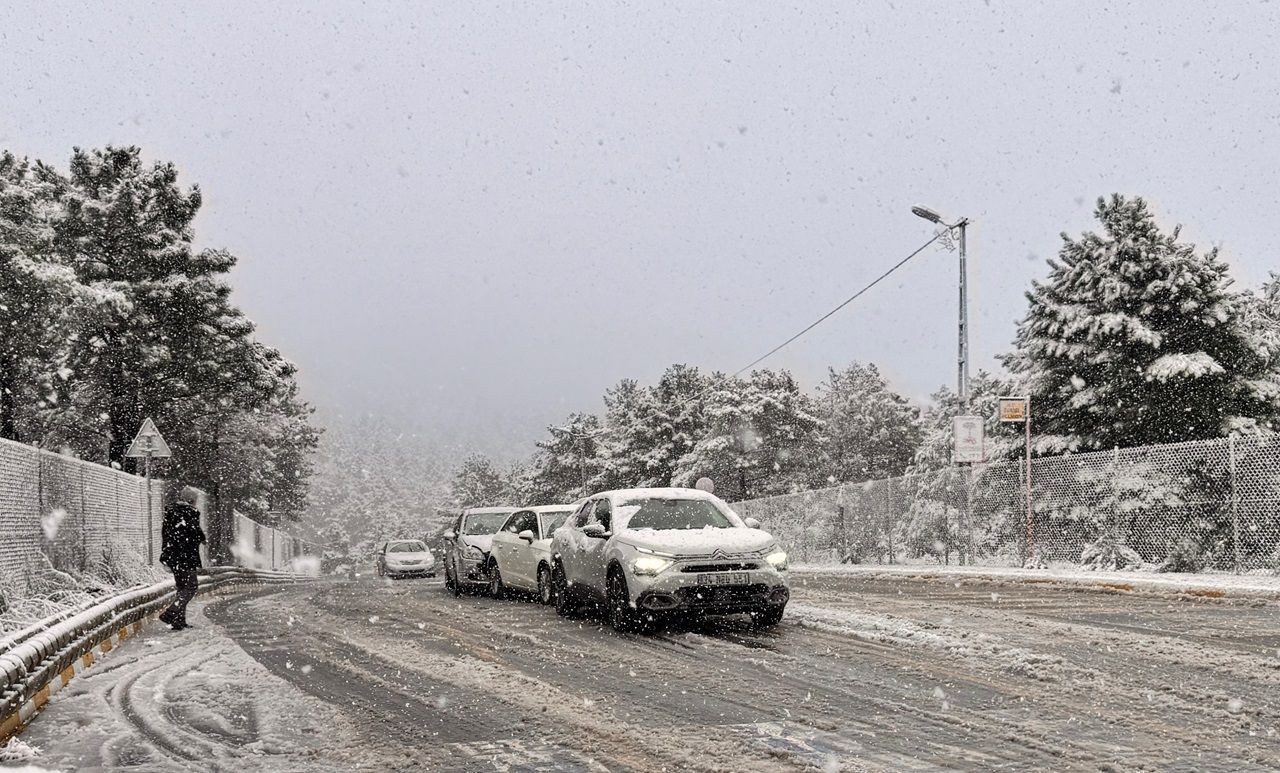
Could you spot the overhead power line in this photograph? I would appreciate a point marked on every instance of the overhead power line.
(789, 341)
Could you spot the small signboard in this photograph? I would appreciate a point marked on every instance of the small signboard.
(1013, 409)
(967, 444)
(149, 443)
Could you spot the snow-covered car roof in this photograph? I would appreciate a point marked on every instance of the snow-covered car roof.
(547, 508)
(660, 493)
(487, 510)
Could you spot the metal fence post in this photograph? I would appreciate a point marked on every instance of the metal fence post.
(1235, 502)
(888, 516)
(968, 508)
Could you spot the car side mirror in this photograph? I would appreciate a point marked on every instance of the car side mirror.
(751, 523)
(596, 531)
(527, 535)
(450, 536)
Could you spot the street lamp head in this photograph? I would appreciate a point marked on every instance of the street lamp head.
(927, 214)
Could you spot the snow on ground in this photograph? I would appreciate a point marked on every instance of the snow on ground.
(1259, 585)
(176, 700)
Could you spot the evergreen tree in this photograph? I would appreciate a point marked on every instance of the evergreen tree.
(651, 428)
(1134, 340)
(761, 438)
(567, 463)
(478, 483)
(869, 431)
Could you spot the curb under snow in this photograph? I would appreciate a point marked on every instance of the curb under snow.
(1215, 586)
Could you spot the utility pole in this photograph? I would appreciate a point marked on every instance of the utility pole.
(962, 364)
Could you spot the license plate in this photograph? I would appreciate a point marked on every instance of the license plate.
(724, 578)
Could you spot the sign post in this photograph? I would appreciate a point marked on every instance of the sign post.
(148, 445)
(968, 447)
(1018, 409)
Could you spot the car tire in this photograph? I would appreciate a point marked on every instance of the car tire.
(566, 600)
(622, 616)
(496, 589)
(546, 590)
(767, 618)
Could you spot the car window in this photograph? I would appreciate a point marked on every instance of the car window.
(674, 514)
(406, 547)
(483, 523)
(603, 513)
(584, 512)
(526, 520)
(514, 523)
(552, 521)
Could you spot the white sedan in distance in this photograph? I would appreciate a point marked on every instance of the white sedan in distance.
(521, 554)
(405, 558)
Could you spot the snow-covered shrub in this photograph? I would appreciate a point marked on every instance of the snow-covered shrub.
(1187, 555)
(1110, 555)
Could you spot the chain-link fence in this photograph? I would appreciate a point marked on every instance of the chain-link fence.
(1180, 507)
(63, 518)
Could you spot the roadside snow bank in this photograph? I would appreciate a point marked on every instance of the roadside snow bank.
(1206, 585)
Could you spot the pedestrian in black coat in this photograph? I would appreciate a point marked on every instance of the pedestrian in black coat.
(181, 537)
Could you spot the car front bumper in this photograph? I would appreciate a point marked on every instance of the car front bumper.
(473, 571)
(408, 570)
(676, 591)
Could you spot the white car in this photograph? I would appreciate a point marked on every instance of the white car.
(520, 558)
(645, 554)
(466, 547)
(405, 557)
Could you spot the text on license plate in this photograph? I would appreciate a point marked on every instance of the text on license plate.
(724, 578)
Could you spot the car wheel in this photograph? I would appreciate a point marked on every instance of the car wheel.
(566, 600)
(546, 590)
(622, 616)
(496, 589)
(768, 618)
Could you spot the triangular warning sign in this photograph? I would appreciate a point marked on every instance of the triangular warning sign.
(149, 443)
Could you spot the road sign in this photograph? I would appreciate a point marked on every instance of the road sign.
(149, 443)
(967, 440)
(1013, 409)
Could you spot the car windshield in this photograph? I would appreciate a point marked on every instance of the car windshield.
(483, 523)
(674, 514)
(407, 547)
(552, 521)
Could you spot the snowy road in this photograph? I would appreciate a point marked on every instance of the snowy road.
(865, 673)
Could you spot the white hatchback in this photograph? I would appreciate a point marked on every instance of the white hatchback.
(521, 555)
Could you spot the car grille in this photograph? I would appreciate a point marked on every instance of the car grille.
(723, 594)
(728, 567)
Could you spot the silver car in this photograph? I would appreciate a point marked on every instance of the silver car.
(467, 544)
(405, 558)
(644, 554)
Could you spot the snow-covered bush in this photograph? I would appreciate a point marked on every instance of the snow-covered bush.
(1110, 555)
(1187, 555)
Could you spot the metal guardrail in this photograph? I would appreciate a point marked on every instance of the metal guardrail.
(33, 657)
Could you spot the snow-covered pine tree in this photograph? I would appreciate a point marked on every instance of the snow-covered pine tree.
(1134, 340)
(761, 438)
(869, 431)
(567, 462)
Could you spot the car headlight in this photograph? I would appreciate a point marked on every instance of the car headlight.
(777, 559)
(474, 552)
(650, 565)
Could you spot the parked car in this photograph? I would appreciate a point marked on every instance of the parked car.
(521, 555)
(405, 558)
(644, 554)
(466, 547)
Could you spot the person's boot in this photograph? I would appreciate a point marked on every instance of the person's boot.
(166, 617)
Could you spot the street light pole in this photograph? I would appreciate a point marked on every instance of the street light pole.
(962, 386)
(962, 364)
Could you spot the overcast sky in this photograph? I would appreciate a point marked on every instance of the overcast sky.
(479, 217)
